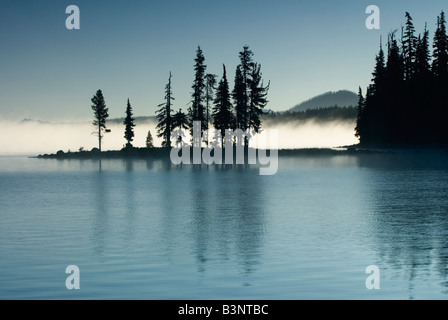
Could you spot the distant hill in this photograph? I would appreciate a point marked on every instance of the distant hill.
(342, 98)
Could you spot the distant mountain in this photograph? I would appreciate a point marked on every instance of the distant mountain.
(342, 98)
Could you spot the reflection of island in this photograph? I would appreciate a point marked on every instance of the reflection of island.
(410, 210)
(230, 221)
(224, 223)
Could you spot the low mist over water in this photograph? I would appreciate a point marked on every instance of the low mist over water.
(36, 137)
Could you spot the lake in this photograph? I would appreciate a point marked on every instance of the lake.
(146, 229)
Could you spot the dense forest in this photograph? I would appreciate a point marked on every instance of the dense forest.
(407, 101)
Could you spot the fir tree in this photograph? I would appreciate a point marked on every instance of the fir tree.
(164, 125)
(222, 112)
(440, 73)
(423, 56)
(129, 126)
(423, 91)
(210, 83)
(197, 111)
(380, 69)
(246, 67)
(440, 50)
(180, 122)
(100, 115)
(257, 98)
(239, 100)
(409, 43)
(359, 119)
(393, 109)
(149, 140)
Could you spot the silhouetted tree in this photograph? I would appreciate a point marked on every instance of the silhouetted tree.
(257, 98)
(380, 69)
(440, 71)
(423, 91)
(423, 56)
(393, 106)
(409, 44)
(180, 121)
(210, 83)
(101, 114)
(440, 50)
(359, 119)
(246, 66)
(149, 140)
(239, 100)
(164, 125)
(222, 112)
(129, 125)
(197, 110)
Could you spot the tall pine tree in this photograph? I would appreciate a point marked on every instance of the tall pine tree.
(210, 86)
(164, 118)
(257, 98)
(359, 119)
(246, 66)
(409, 44)
(129, 126)
(222, 111)
(423, 91)
(440, 72)
(440, 50)
(197, 110)
(394, 108)
(239, 100)
(100, 115)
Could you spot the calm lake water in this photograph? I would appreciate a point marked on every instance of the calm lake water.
(147, 230)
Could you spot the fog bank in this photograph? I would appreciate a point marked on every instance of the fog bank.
(34, 137)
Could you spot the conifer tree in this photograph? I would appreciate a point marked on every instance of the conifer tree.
(197, 110)
(409, 43)
(100, 115)
(440, 50)
(257, 98)
(239, 100)
(222, 111)
(359, 119)
(380, 69)
(164, 118)
(210, 84)
(423, 56)
(180, 122)
(149, 140)
(129, 125)
(440, 73)
(246, 66)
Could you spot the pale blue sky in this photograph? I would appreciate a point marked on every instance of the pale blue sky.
(128, 48)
